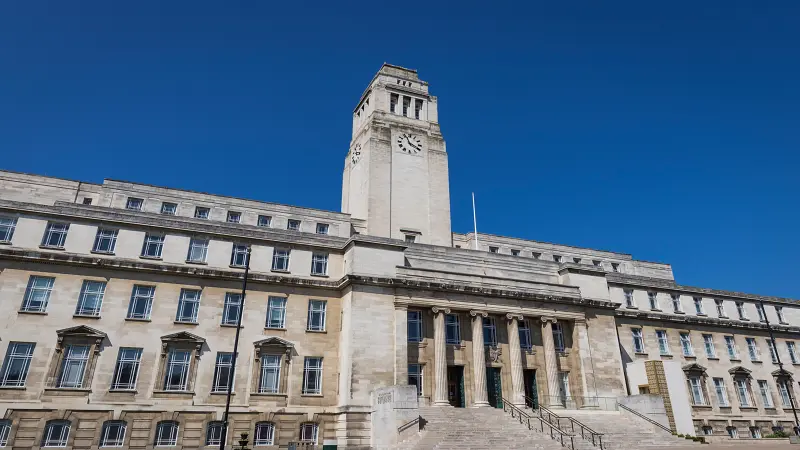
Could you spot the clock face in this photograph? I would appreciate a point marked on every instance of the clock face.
(409, 143)
(355, 155)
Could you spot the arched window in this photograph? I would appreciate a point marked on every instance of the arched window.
(5, 432)
(265, 434)
(113, 434)
(166, 434)
(214, 433)
(56, 433)
(308, 432)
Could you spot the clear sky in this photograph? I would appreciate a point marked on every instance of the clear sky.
(668, 130)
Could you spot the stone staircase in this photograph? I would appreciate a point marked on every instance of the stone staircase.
(621, 430)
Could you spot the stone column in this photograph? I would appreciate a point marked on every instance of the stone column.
(481, 398)
(400, 344)
(440, 358)
(550, 362)
(580, 338)
(517, 382)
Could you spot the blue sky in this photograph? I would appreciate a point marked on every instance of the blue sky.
(669, 130)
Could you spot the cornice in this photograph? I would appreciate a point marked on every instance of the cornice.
(582, 269)
(708, 321)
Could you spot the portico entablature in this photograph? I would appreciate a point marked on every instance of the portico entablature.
(462, 306)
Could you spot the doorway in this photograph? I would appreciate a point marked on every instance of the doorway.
(494, 387)
(531, 391)
(455, 386)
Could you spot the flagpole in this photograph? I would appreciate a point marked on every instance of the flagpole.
(475, 221)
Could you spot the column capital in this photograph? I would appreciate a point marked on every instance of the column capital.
(439, 309)
(512, 316)
(580, 321)
(475, 313)
(546, 319)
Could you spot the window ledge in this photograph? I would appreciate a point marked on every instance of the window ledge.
(85, 316)
(136, 319)
(275, 328)
(748, 408)
(689, 356)
(641, 353)
(312, 395)
(701, 315)
(744, 319)
(123, 391)
(279, 271)
(702, 406)
(180, 322)
(779, 323)
(667, 356)
(235, 266)
(229, 325)
(5, 242)
(796, 363)
(233, 393)
(756, 361)
(320, 275)
(656, 310)
(100, 252)
(199, 263)
(153, 258)
(678, 312)
(317, 331)
(268, 394)
(176, 393)
(735, 360)
(631, 307)
(35, 313)
(63, 389)
(13, 388)
(51, 247)
(713, 358)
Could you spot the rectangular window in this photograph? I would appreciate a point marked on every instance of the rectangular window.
(525, 340)
(563, 387)
(276, 312)
(270, 381)
(615, 267)
(141, 302)
(722, 392)
(778, 309)
(7, 227)
(415, 377)
(730, 343)
(558, 338)
(576, 260)
(55, 235)
(766, 395)
(188, 306)
(293, 225)
(393, 99)
(126, 371)
(239, 255)
(105, 241)
(312, 376)
(783, 389)
(489, 332)
(198, 250)
(663, 342)
(686, 345)
(177, 370)
(169, 208)
(733, 433)
(265, 434)
(698, 306)
(742, 393)
(319, 264)
(308, 432)
(153, 245)
(536, 255)
(322, 228)
(720, 309)
(629, 302)
(417, 108)
(414, 319)
(316, 315)
(91, 298)
(676, 303)
(37, 294)
(557, 258)
(411, 238)
(762, 315)
(752, 349)
(406, 104)
(651, 296)
(232, 308)
(87, 200)
(222, 372)
(280, 260)
(792, 349)
(741, 311)
(264, 221)
(494, 249)
(73, 366)
(708, 342)
(514, 252)
(452, 328)
(201, 213)
(773, 351)
(134, 204)
(638, 341)
(16, 364)
(234, 217)
(696, 388)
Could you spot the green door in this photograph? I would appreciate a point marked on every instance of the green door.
(494, 388)
(531, 392)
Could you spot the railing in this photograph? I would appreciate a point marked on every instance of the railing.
(600, 403)
(587, 433)
(405, 426)
(566, 439)
(667, 429)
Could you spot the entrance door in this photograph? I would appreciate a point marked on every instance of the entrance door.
(493, 387)
(531, 391)
(455, 386)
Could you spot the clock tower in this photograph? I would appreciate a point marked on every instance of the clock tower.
(395, 174)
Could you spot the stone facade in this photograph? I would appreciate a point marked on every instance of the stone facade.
(123, 281)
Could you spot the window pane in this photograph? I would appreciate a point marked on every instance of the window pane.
(17, 363)
(265, 432)
(113, 434)
(73, 366)
(141, 302)
(188, 306)
(276, 312)
(270, 374)
(7, 227)
(127, 369)
(177, 372)
(91, 298)
(414, 319)
(37, 294)
(232, 308)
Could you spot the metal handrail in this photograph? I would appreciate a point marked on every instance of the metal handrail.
(410, 424)
(596, 438)
(667, 429)
(555, 433)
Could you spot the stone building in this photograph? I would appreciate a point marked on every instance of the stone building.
(120, 301)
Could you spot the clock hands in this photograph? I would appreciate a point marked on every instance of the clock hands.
(408, 139)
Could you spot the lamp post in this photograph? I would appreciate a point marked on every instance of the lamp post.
(233, 359)
(790, 382)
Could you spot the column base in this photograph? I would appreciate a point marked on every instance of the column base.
(481, 405)
(441, 403)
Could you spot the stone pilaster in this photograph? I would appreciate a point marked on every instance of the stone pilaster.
(440, 358)
(515, 350)
(550, 362)
(400, 344)
(580, 337)
(481, 398)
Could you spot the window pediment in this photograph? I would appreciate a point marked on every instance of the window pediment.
(183, 337)
(275, 344)
(739, 371)
(81, 331)
(694, 368)
(782, 373)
